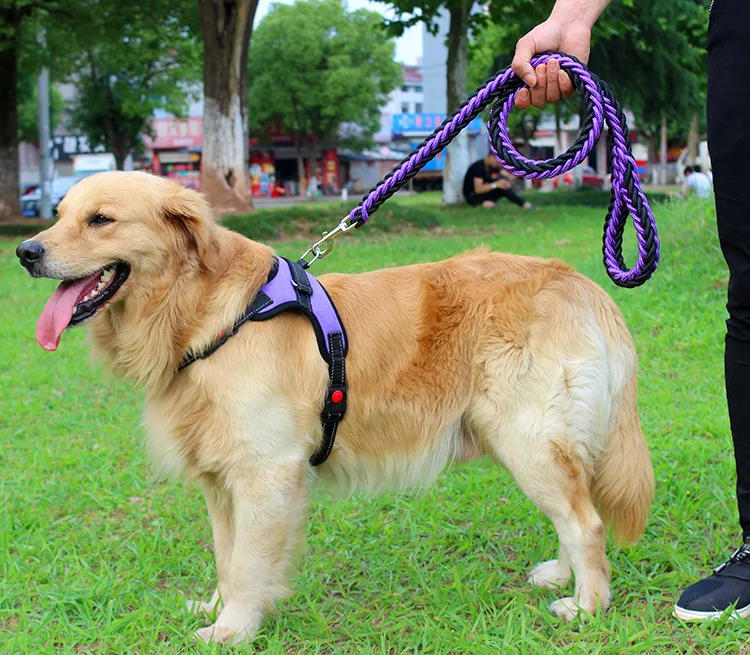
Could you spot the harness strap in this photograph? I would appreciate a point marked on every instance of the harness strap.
(291, 288)
(335, 404)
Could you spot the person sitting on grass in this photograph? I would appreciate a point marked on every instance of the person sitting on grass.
(697, 182)
(486, 182)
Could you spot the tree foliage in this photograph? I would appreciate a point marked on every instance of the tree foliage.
(655, 60)
(139, 57)
(463, 18)
(651, 52)
(321, 72)
(20, 53)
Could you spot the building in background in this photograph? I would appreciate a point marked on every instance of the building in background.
(405, 99)
(70, 151)
(435, 75)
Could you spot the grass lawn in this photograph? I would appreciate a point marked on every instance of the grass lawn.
(97, 554)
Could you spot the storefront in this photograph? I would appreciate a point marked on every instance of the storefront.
(182, 166)
(274, 170)
(176, 149)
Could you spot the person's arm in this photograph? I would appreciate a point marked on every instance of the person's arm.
(481, 187)
(568, 29)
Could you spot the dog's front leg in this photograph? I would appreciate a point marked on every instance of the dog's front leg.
(219, 504)
(268, 508)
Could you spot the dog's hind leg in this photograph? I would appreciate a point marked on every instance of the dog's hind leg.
(556, 483)
(219, 503)
(268, 508)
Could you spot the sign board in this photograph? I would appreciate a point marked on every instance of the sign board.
(94, 163)
(173, 133)
(66, 146)
(417, 124)
(436, 164)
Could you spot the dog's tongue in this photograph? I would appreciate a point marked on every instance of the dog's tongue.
(59, 310)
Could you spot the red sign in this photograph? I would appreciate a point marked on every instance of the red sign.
(172, 133)
(331, 171)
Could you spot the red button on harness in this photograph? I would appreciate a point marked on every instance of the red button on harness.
(337, 396)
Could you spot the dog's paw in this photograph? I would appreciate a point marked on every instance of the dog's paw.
(550, 575)
(567, 609)
(236, 624)
(224, 634)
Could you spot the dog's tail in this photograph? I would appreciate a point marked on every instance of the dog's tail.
(623, 484)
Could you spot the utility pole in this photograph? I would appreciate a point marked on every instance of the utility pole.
(45, 209)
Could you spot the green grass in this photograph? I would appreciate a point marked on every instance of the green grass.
(97, 555)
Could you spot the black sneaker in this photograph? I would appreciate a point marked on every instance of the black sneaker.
(729, 586)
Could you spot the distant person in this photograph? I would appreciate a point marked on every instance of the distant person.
(697, 182)
(709, 173)
(486, 182)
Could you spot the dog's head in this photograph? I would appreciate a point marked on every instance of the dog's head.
(115, 231)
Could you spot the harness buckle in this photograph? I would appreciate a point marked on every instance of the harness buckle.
(335, 404)
(324, 246)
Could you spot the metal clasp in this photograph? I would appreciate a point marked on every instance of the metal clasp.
(324, 247)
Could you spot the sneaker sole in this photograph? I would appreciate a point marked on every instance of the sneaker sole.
(694, 615)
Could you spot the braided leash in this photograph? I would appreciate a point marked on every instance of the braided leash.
(601, 107)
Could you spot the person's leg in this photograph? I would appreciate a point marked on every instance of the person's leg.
(514, 197)
(729, 141)
(485, 199)
(729, 144)
(518, 200)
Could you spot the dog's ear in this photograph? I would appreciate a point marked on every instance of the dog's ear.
(189, 213)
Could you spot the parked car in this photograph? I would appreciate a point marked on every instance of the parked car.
(30, 202)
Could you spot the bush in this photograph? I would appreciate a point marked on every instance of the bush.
(583, 198)
(314, 218)
(22, 229)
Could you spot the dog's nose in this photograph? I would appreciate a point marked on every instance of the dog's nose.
(30, 252)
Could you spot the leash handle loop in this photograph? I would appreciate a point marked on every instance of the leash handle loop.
(602, 108)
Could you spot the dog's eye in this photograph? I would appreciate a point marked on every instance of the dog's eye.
(99, 219)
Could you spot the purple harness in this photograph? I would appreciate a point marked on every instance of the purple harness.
(291, 288)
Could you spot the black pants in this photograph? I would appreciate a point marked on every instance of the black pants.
(493, 196)
(729, 145)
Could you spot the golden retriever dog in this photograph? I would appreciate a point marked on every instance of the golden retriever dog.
(517, 358)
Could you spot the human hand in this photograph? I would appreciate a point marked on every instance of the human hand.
(548, 83)
(503, 184)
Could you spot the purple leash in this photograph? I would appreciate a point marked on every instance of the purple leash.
(601, 106)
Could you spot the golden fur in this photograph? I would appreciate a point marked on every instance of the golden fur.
(517, 358)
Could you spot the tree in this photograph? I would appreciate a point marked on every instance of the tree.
(649, 51)
(14, 17)
(138, 57)
(70, 27)
(411, 12)
(656, 62)
(28, 107)
(227, 26)
(315, 68)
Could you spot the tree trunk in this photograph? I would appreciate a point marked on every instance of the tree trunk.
(10, 178)
(694, 138)
(120, 155)
(313, 183)
(457, 153)
(653, 169)
(558, 130)
(300, 166)
(663, 151)
(227, 26)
